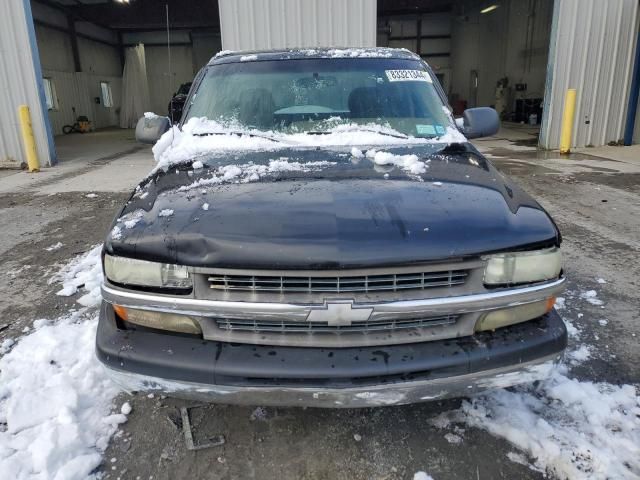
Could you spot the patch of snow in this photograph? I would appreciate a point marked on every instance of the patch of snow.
(409, 163)
(437, 184)
(223, 53)
(150, 115)
(126, 408)
(131, 219)
(55, 400)
(571, 428)
(359, 53)
(116, 233)
(572, 331)
(55, 246)
(250, 172)
(591, 296)
(6, 345)
(603, 322)
(422, 476)
(453, 438)
(601, 281)
(91, 195)
(166, 212)
(560, 303)
(579, 355)
(205, 206)
(197, 165)
(83, 272)
(356, 153)
(248, 58)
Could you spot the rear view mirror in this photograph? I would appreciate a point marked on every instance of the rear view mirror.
(479, 122)
(151, 127)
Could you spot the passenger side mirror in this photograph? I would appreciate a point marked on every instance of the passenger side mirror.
(151, 127)
(479, 122)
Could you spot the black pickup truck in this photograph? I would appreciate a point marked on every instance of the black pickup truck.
(320, 232)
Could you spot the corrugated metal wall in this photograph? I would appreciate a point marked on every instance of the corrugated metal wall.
(592, 47)
(265, 24)
(18, 83)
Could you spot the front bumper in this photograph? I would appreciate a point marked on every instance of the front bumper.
(323, 377)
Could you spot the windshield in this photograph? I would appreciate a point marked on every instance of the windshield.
(315, 95)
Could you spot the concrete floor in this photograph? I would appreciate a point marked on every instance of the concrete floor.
(595, 201)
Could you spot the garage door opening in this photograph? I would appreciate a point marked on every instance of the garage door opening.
(83, 50)
(485, 53)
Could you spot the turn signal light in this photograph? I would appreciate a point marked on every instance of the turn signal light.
(158, 320)
(512, 315)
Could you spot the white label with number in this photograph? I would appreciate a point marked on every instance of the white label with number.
(408, 76)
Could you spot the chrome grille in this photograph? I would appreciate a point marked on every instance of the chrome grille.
(338, 284)
(283, 326)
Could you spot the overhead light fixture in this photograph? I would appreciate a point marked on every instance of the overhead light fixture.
(122, 1)
(490, 8)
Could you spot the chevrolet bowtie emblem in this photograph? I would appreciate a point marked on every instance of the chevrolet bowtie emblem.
(339, 312)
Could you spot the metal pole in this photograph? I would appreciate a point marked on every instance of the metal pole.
(634, 93)
(567, 121)
(169, 61)
(30, 151)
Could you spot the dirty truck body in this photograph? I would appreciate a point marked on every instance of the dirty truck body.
(358, 281)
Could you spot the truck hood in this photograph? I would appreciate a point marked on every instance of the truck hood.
(328, 208)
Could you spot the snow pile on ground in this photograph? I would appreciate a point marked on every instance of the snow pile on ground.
(571, 428)
(55, 246)
(409, 163)
(591, 296)
(422, 476)
(200, 136)
(55, 398)
(83, 272)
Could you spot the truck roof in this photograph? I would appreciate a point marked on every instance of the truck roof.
(227, 56)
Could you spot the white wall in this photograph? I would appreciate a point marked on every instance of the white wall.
(266, 24)
(593, 45)
(100, 63)
(19, 85)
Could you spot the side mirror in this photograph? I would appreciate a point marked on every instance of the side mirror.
(479, 122)
(151, 127)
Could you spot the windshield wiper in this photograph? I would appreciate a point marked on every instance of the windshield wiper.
(370, 130)
(239, 133)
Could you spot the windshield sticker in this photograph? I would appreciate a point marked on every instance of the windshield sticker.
(426, 129)
(408, 76)
(440, 130)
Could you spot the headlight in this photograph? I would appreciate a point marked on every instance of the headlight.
(523, 267)
(128, 271)
(159, 320)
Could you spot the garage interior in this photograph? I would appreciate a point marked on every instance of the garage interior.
(485, 53)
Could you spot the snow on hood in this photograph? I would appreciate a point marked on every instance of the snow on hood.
(200, 136)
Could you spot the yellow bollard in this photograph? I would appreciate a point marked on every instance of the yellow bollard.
(567, 121)
(28, 139)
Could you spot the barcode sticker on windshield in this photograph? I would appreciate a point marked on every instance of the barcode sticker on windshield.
(408, 76)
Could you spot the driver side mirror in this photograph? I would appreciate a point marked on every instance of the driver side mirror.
(479, 122)
(151, 127)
